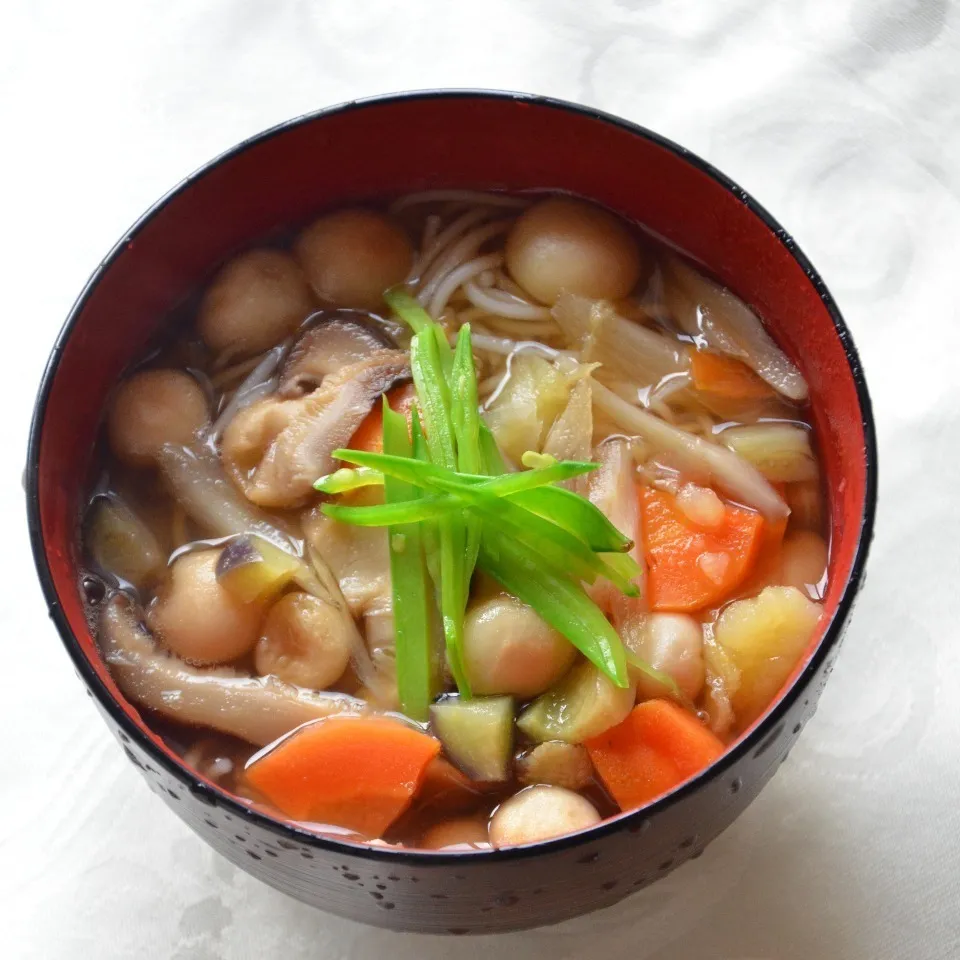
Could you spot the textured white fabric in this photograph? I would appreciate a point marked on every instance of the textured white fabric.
(841, 116)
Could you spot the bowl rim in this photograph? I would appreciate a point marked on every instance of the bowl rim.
(212, 795)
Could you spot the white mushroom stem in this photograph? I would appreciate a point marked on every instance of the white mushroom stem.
(612, 490)
(258, 383)
(200, 486)
(256, 709)
(733, 475)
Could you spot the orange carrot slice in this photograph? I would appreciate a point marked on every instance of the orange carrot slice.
(726, 377)
(369, 435)
(655, 749)
(693, 567)
(355, 772)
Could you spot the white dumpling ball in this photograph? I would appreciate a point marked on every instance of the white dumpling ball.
(566, 245)
(352, 257)
(539, 813)
(673, 644)
(154, 408)
(197, 618)
(305, 641)
(254, 302)
(509, 649)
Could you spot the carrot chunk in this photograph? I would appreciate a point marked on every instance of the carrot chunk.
(355, 772)
(369, 435)
(693, 567)
(655, 749)
(727, 378)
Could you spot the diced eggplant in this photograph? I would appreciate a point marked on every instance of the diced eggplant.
(582, 705)
(121, 544)
(477, 735)
(253, 569)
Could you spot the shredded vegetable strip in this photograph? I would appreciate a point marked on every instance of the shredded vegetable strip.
(430, 533)
(408, 582)
(346, 479)
(557, 546)
(564, 508)
(374, 464)
(431, 362)
(465, 412)
(492, 458)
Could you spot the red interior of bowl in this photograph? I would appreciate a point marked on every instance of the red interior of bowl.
(387, 147)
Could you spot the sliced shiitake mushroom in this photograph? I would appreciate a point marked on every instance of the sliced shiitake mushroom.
(277, 448)
(332, 341)
(255, 709)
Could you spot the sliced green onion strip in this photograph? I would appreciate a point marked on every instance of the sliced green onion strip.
(408, 578)
(434, 397)
(431, 536)
(422, 474)
(407, 309)
(346, 479)
(555, 543)
(492, 457)
(465, 413)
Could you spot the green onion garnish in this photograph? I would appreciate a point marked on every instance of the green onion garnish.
(408, 576)
(450, 505)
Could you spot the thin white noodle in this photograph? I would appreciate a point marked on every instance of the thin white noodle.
(465, 248)
(507, 284)
(461, 275)
(480, 327)
(504, 304)
(457, 196)
(505, 346)
(523, 329)
(431, 228)
(442, 239)
(473, 316)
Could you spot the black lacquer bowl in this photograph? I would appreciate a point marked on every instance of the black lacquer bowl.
(379, 148)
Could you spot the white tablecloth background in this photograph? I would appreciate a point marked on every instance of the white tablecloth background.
(841, 116)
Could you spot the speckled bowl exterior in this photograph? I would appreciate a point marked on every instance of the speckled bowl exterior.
(382, 147)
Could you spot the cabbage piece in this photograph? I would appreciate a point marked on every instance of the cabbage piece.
(571, 436)
(534, 395)
(628, 349)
